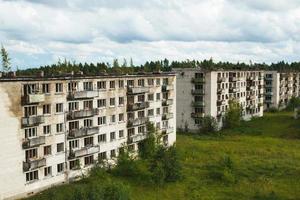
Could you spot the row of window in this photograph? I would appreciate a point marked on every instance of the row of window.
(89, 86)
(47, 151)
(59, 128)
(34, 175)
(88, 104)
(239, 74)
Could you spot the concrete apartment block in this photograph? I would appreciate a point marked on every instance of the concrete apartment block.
(54, 129)
(280, 87)
(201, 93)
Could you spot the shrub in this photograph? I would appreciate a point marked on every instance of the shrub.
(158, 174)
(165, 165)
(126, 165)
(273, 110)
(227, 162)
(172, 165)
(208, 125)
(269, 196)
(223, 171)
(116, 191)
(293, 103)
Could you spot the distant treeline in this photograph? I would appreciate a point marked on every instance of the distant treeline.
(63, 67)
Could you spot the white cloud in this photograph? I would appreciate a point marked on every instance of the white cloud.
(99, 30)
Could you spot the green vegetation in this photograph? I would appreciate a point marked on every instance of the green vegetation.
(293, 103)
(65, 66)
(5, 60)
(208, 125)
(233, 115)
(259, 160)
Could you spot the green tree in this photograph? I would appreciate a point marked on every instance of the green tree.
(116, 63)
(126, 165)
(131, 63)
(293, 103)
(124, 63)
(6, 65)
(157, 167)
(165, 165)
(172, 165)
(233, 115)
(208, 125)
(147, 147)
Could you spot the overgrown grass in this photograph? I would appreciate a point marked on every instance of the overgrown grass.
(259, 160)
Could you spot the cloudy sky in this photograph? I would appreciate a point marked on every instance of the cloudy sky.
(38, 32)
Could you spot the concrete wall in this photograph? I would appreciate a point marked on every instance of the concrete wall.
(215, 102)
(14, 184)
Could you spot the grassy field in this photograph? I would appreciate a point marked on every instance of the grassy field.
(259, 160)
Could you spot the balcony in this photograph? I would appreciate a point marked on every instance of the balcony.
(198, 80)
(33, 142)
(136, 138)
(220, 113)
(268, 85)
(197, 115)
(137, 122)
(166, 88)
(137, 106)
(197, 92)
(251, 97)
(233, 90)
(252, 87)
(268, 100)
(32, 164)
(82, 114)
(137, 90)
(221, 91)
(268, 78)
(89, 94)
(167, 102)
(221, 79)
(83, 132)
(269, 93)
(83, 151)
(251, 106)
(221, 102)
(198, 104)
(33, 120)
(167, 116)
(233, 79)
(33, 99)
(250, 78)
(167, 130)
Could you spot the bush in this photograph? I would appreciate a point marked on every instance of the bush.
(165, 165)
(273, 110)
(208, 125)
(158, 174)
(270, 196)
(116, 191)
(172, 165)
(223, 171)
(233, 115)
(126, 165)
(293, 103)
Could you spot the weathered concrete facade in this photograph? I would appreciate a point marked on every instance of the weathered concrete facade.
(55, 129)
(280, 88)
(201, 93)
